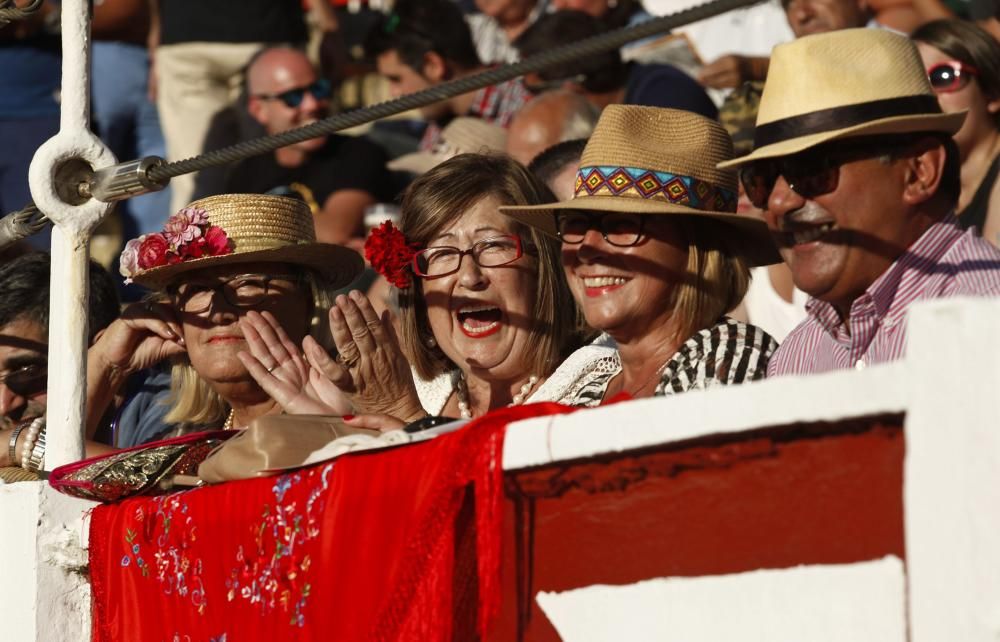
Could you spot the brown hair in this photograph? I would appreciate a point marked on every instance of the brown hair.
(720, 277)
(969, 44)
(437, 199)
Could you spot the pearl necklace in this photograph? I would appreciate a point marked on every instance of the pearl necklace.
(462, 392)
(229, 420)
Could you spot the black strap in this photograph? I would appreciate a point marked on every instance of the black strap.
(834, 118)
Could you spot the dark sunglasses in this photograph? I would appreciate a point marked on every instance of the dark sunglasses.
(950, 76)
(27, 380)
(292, 98)
(810, 174)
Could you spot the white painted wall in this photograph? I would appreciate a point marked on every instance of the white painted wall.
(44, 595)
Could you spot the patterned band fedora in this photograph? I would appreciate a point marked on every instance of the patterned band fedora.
(229, 229)
(657, 161)
(844, 84)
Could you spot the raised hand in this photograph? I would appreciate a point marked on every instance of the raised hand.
(277, 365)
(144, 335)
(370, 368)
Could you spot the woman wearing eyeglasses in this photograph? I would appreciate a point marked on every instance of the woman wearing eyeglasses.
(655, 254)
(486, 317)
(216, 261)
(963, 65)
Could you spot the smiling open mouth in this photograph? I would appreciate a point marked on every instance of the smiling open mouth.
(802, 234)
(479, 320)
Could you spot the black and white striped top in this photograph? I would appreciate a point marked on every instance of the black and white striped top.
(729, 352)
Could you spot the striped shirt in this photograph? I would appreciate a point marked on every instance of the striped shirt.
(729, 352)
(496, 104)
(943, 262)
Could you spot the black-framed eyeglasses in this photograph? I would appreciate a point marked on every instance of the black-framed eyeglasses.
(435, 262)
(320, 90)
(240, 291)
(617, 228)
(809, 174)
(27, 380)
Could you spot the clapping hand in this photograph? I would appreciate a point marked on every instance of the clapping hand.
(370, 367)
(144, 335)
(280, 369)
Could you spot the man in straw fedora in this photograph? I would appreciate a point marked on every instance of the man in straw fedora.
(857, 174)
(655, 254)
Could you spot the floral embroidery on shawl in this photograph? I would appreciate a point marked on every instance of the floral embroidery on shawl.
(168, 532)
(276, 571)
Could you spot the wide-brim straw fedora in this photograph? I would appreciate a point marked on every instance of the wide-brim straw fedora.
(464, 134)
(263, 228)
(844, 84)
(658, 161)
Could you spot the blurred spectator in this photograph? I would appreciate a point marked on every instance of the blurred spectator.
(498, 24)
(807, 17)
(552, 117)
(963, 63)
(461, 136)
(424, 43)
(603, 78)
(24, 334)
(337, 176)
(557, 167)
(29, 102)
(200, 48)
(124, 116)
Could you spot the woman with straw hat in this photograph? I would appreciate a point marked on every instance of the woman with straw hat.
(486, 318)
(216, 261)
(655, 254)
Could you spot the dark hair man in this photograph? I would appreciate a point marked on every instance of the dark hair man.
(858, 182)
(424, 43)
(24, 332)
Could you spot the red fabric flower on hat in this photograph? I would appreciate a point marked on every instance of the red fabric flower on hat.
(187, 235)
(153, 251)
(389, 254)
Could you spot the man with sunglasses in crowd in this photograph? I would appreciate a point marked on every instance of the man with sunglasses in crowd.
(24, 333)
(857, 175)
(337, 176)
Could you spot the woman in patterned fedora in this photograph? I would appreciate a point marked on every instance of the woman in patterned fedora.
(655, 254)
(217, 261)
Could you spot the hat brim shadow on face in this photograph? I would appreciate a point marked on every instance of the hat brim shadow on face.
(920, 123)
(751, 237)
(337, 265)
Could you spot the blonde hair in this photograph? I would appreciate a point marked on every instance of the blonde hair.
(195, 403)
(438, 199)
(720, 277)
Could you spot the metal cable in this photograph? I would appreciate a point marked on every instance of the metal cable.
(566, 53)
(10, 12)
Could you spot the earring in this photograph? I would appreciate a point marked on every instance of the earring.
(431, 342)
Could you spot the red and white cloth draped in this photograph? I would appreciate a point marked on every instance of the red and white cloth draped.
(386, 545)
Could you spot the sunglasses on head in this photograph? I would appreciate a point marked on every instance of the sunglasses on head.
(950, 76)
(809, 174)
(292, 98)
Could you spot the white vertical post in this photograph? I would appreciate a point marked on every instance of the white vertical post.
(952, 471)
(57, 167)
